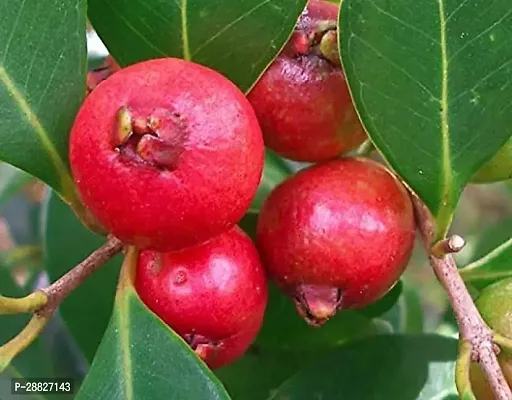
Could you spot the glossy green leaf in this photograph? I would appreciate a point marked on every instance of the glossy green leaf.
(397, 367)
(284, 329)
(42, 84)
(141, 358)
(431, 83)
(67, 242)
(34, 361)
(260, 372)
(492, 267)
(238, 38)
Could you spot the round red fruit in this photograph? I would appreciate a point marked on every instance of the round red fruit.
(166, 154)
(214, 295)
(337, 235)
(302, 100)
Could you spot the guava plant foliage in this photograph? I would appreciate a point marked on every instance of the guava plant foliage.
(430, 84)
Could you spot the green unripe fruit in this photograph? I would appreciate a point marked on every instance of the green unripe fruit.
(495, 306)
(498, 168)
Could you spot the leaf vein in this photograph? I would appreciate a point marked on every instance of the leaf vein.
(403, 23)
(14, 28)
(498, 22)
(228, 26)
(184, 31)
(134, 30)
(398, 68)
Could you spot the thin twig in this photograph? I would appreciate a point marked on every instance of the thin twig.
(472, 327)
(62, 287)
(450, 245)
(46, 301)
(30, 303)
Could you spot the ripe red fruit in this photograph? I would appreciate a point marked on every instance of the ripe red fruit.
(166, 154)
(302, 100)
(214, 295)
(336, 235)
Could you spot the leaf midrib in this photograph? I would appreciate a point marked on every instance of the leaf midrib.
(124, 339)
(446, 170)
(184, 30)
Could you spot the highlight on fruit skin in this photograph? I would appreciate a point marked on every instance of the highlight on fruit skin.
(495, 306)
(166, 154)
(336, 235)
(302, 100)
(498, 168)
(214, 295)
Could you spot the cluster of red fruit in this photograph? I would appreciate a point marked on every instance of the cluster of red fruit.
(168, 155)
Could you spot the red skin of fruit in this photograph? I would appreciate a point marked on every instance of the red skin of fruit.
(302, 100)
(213, 294)
(336, 235)
(166, 154)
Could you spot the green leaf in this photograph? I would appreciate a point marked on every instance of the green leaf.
(42, 84)
(492, 267)
(11, 181)
(386, 303)
(407, 314)
(275, 171)
(237, 38)
(67, 242)
(434, 113)
(259, 373)
(141, 358)
(34, 361)
(284, 329)
(485, 240)
(397, 367)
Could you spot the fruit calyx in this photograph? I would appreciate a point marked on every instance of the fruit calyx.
(156, 138)
(321, 40)
(204, 348)
(317, 304)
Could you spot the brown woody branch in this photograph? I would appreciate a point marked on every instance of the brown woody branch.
(473, 330)
(45, 301)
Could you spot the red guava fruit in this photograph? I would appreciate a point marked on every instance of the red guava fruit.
(166, 154)
(302, 100)
(214, 295)
(336, 235)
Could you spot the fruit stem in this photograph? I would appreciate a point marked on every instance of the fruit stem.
(44, 302)
(462, 366)
(472, 327)
(365, 149)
